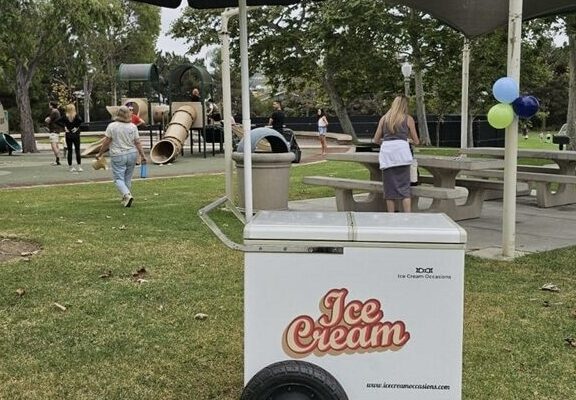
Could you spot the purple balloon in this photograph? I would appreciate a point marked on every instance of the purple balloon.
(525, 106)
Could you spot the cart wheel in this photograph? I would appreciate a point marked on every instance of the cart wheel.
(293, 380)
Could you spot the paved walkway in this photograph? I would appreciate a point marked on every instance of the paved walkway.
(538, 229)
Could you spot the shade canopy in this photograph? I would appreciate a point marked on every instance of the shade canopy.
(477, 17)
(471, 17)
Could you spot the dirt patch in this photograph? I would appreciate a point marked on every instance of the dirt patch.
(12, 249)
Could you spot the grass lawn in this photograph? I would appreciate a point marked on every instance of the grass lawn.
(123, 339)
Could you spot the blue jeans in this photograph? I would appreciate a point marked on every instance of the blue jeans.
(122, 170)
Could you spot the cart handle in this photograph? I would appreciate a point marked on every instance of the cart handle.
(203, 214)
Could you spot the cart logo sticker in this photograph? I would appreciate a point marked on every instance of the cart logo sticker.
(344, 327)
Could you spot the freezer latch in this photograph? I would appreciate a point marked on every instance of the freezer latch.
(326, 250)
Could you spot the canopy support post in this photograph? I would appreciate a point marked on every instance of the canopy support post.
(511, 146)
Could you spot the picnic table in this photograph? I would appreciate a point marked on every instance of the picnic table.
(443, 171)
(555, 186)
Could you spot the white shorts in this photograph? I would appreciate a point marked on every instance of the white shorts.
(54, 137)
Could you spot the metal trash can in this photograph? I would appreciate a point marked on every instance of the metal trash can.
(347, 305)
(270, 170)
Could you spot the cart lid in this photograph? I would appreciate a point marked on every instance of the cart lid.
(289, 225)
(354, 227)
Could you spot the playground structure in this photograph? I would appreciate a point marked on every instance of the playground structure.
(178, 117)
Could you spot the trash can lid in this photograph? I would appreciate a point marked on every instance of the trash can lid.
(354, 227)
(278, 143)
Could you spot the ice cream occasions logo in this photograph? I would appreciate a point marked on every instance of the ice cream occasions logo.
(344, 327)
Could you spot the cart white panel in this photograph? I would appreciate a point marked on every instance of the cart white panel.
(281, 287)
(419, 288)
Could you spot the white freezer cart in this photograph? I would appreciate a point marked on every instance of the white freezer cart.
(369, 305)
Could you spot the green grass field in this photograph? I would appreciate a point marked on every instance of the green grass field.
(120, 338)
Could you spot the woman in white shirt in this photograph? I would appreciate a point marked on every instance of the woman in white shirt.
(395, 129)
(124, 142)
(322, 129)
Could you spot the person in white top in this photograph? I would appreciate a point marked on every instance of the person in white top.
(124, 143)
(395, 130)
(322, 129)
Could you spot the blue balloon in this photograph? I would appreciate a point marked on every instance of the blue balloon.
(526, 106)
(505, 90)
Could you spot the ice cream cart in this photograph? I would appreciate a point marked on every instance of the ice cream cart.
(359, 306)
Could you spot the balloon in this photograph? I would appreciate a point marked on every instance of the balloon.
(525, 106)
(505, 90)
(500, 116)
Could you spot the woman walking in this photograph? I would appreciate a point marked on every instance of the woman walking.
(124, 142)
(395, 129)
(71, 122)
(322, 129)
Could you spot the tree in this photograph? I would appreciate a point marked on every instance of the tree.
(571, 117)
(31, 32)
(66, 37)
(350, 50)
(330, 43)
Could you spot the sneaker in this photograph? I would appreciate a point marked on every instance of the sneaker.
(79, 169)
(72, 169)
(128, 199)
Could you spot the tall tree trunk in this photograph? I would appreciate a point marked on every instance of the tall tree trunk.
(571, 115)
(23, 79)
(338, 106)
(421, 109)
(87, 94)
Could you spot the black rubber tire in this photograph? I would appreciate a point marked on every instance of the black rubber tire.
(293, 380)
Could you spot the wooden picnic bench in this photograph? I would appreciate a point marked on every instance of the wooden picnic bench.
(345, 201)
(554, 186)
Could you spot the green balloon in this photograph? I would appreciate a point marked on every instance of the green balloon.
(501, 115)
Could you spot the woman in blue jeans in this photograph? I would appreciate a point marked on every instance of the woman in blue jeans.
(124, 143)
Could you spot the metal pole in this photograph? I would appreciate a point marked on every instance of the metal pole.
(226, 98)
(246, 122)
(407, 86)
(511, 151)
(464, 99)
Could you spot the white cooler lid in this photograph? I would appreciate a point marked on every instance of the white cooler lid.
(407, 228)
(354, 227)
(296, 225)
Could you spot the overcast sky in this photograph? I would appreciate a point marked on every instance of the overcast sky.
(165, 43)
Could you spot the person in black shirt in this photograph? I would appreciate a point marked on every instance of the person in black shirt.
(277, 118)
(54, 130)
(71, 122)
